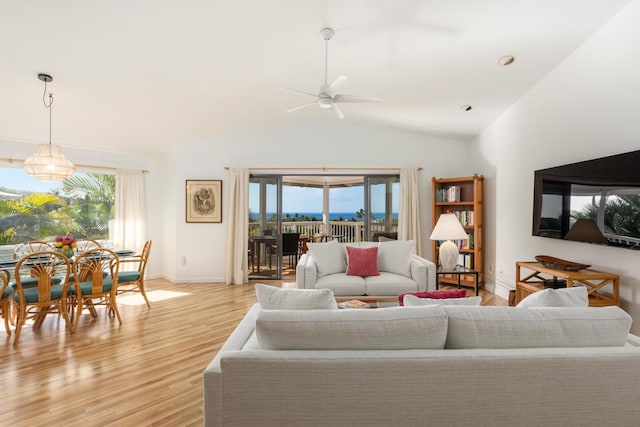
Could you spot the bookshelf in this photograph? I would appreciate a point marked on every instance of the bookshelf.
(463, 197)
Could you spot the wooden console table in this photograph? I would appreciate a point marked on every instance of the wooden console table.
(595, 281)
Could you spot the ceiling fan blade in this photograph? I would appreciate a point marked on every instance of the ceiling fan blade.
(337, 111)
(337, 84)
(301, 106)
(350, 98)
(315, 95)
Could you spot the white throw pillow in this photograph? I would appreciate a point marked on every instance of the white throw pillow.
(565, 297)
(395, 256)
(330, 257)
(513, 327)
(272, 298)
(412, 300)
(393, 328)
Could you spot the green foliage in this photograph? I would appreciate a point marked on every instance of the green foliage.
(621, 215)
(83, 211)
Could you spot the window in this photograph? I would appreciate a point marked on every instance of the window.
(81, 206)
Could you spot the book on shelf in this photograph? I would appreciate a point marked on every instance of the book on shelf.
(448, 194)
(465, 260)
(466, 218)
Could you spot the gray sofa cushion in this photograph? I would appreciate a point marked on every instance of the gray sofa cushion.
(393, 328)
(389, 284)
(511, 327)
(273, 298)
(342, 285)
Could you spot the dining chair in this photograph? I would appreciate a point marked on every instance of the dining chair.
(95, 274)
(6, 295)
(133, 281)
(48, 297)
(29, 247)
(84, 245)
(291, 247)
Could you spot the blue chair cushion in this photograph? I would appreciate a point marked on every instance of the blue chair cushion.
(31, 294)
(128, 276)
(7, 292)
(86, 287)
(32, 282)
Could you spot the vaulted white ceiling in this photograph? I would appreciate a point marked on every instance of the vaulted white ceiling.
(142, 75)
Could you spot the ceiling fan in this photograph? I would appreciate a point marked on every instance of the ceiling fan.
(328, 97)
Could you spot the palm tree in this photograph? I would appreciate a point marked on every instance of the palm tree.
(30, 218)
(94, 207)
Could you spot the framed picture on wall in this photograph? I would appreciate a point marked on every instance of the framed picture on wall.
(203, 201)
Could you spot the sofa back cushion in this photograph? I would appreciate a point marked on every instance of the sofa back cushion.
(393, 328)
(272, 298)
(513, 327)
(330, 257)
(395, 256)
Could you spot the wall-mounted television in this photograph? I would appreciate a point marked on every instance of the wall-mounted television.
(595, 201)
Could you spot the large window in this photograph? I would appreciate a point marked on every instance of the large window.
(81, 206)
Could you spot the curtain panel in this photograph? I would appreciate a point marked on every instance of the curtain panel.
(409, 216)
(129, 229)
(235, 264)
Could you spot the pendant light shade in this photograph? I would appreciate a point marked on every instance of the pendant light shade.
(48, 163)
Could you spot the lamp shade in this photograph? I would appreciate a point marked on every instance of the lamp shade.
(585, 230)
(49, 164)
(448, 227)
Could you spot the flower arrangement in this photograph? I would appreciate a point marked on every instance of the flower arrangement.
(66, 245)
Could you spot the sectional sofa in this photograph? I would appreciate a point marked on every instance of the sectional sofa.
(427, 365)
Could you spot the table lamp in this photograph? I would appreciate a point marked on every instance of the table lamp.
(448, 228)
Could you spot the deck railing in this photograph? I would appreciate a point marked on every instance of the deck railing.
(344, 231)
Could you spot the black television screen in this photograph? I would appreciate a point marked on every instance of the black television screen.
(595, 201)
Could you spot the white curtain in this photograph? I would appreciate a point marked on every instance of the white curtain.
(235, 263)
(129, 226)
(409, 215)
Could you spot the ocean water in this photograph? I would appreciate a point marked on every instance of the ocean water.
(333, 216)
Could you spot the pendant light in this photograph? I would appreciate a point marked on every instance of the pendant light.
(48, 164)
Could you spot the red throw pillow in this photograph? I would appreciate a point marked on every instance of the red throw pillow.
(362, 261)
(439, 294)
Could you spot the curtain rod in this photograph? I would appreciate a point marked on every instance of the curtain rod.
(105, 168)
(323, 169)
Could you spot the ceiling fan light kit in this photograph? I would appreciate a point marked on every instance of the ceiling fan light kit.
(48, 163)
(328, 98)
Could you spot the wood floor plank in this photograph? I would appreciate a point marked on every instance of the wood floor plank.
(145, 372)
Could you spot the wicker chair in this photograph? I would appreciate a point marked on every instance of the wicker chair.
(6, 295)
(133, 281)
(46, 297)
(95, 283)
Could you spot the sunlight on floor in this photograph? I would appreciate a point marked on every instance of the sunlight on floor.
(154, 296)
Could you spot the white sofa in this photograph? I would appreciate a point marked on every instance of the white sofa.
(325, 266)
(420, 367)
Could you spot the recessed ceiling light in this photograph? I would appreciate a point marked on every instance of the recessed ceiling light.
(506, 60)
(466, 107)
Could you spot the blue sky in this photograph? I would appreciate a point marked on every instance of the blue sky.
(18, 179)
(308, 199)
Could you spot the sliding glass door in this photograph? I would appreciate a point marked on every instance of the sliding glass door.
(382, 194)
(347, 208)
(265, 218)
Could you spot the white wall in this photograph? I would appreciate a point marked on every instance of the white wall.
(588, 107)
(324, 142)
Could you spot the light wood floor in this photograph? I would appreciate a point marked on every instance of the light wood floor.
(148, 371)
